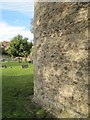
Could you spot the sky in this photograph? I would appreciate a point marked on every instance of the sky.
(15, 18)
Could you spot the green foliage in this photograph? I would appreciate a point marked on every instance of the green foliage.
(19, 46)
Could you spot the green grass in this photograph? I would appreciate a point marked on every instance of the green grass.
(17, 87)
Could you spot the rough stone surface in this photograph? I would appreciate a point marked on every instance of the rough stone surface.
(61, 58)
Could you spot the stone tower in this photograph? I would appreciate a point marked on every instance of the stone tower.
(61, 58)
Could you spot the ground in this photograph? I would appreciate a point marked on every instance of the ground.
(17, 88)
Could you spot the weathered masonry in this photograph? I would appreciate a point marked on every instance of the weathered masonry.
(61, 58)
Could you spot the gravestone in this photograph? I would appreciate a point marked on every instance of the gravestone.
(25, 66)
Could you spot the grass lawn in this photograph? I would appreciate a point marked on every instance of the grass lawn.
(17, 87)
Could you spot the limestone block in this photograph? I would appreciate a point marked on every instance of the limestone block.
(61, 58)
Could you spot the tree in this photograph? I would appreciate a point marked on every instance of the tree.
(32, 26)
(19, 46)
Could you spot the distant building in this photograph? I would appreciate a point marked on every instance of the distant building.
(5, 44)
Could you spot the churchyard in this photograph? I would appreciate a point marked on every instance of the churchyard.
(17, 91)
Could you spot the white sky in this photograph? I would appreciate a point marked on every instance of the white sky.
(7, 32)
(17, 1)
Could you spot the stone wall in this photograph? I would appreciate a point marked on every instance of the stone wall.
(61, 58)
